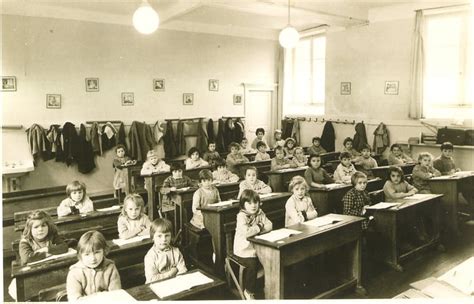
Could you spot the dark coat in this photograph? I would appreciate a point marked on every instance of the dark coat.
(220, 142)
(141, 140)
(202, 139)
(71, 143)
(210, 130)
(95, 139)
(360, 138)
(85, 154)
(121, 135)
(328, 138)
(169, 142)
(239, 131)
(180, 142)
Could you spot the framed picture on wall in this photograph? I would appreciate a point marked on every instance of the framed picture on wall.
(92, 84)
(8, 83)
(238, 99)
(159, 85)
(391, 88)
(53, 101)
(345, 88)
(213, 85)
(188, 99)
(128, 99)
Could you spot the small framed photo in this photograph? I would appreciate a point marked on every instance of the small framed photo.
(391, 88)
(345, 88)
(53, 101)
(213, 85)
(188, 99)
(92, 84)
(128, 99)
(238, 99)
(159, 85)
(8, 83)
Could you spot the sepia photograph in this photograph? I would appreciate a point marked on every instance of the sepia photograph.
(92, 84)
(53, 101)
(8, 83)
(238, 99)
(159, 85)
(391, 88)
(128, 99)
(188, 99)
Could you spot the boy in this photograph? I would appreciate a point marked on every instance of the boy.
(348, 148)
(176, 181)
(423, 172)
(261, 152)
(260, 132)
(445, 163)
(235, 157)
(397, 157)
(279, 161)
(345, 169)
(245, 149)
(316, 147)
(366, 162)
(211, 155)
(222, 175)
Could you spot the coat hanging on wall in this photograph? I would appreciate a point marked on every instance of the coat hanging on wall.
(328, 138)
(360, 137)
(85, 154)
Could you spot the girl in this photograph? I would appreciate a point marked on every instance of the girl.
(290, 146)
(245, 149)
(194, 159)
(299, 160)
(121, 159)
(93, 272)
(299, 207)
(280, 161)
(222, 175)
(315, 175)
(162, 261)
(206, 194)
(153, 164)
(279, 142)
(396, 187)
(348, 148)
(251, 182)
(423, 172)
(40, 238)
(133, 221)
(397, 157)
(211, 155)
(366, 162)
(356, 199)
(261, 152)
(77, 200)
(260, 132)
(345, 169)
(235, 157)
(250, 221)
(316, 147)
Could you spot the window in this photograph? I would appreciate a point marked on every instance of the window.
(447, 75)
(304, 77)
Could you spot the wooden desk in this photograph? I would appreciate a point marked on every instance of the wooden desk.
(278, 179)
(209, 291)
(313, 241)
(261, 165)
(450, 186)
(384, 243)
(31, 279)
(330, 200)
(218, 220)
(382, 172)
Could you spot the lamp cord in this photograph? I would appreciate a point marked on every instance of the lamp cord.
(289, 12)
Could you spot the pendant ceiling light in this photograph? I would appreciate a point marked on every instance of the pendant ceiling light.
(146, 19)
(289, 36)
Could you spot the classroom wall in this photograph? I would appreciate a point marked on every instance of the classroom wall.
(55, 56)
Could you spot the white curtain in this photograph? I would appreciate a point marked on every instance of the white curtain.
(416, 96)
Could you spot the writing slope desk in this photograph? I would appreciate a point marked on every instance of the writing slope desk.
(278, 180)
(346, 234)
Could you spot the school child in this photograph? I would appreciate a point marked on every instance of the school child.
(315, 175)
(207, 194)
(93, 272)
(163, 261)
(251, 221)
(356, 199)
(133, 221)
(121, 159)
(261, 152)
(176, 181)
(396, 187)
(316, 148)
(222, 174)
(289, 147)
(397, 157)
(211, 155)
(194, 159)
(260, 132)
(77, 200)
(366, 162)
(279, 142)
(445, 162)
(279, 161)
(235, 157)
(251, 182)
(299, 207)
(153, 164)
(299, 159)
(423, 172)
(244, 147)
(348, 148)
(40, 238)
(345, 169)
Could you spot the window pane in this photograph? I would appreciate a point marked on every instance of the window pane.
(302, 73)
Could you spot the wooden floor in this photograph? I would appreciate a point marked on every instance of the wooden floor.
(381, 281)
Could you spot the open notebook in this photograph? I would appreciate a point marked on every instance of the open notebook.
(382, 205)
(321, 221)
(116, 207)
(70, 252)
(278, 234)
(135, 239)
(419, 196)
(180, 283)
(114, 296)
(461, 276)
(224, 203)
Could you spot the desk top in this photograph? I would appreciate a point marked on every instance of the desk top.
(455, 176)
(409, 202)
(169, 173)
(235, 204)
(388, 167)
(254, 163)
(338, 186)
(310, 230)
(289, 170)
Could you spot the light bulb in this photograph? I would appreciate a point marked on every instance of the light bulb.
(289, 37)
(146, 19)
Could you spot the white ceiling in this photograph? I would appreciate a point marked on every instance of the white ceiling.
(248, 18)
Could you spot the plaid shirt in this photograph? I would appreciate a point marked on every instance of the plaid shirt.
(178, 183)
(354, 202)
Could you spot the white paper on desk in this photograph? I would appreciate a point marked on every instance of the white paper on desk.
(114, 296)
(463, 173)
(116, 207)
(320, 221)
(224, 203)
(70, 252)
(461, 276)
(333, 186)
(268, 195)
(440, 289)
(278, 234)
(180, 283)
(138, 238)
(382, 205)
(419, 196)
(183, 189)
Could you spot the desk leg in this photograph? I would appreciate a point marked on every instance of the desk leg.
(395, 243)
(274, 271)
(356, 267)
(211, 222)
(449, 206)
(20, 290)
